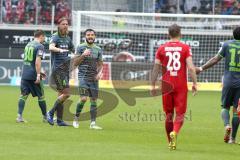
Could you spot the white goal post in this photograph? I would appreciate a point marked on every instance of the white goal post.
(141, 34)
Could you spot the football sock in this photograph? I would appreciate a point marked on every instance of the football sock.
(93, 111)
(178, 122)
(55, 106)
(169, 124)
(42, 105)
(235, 124)
(225, 116)
(60, 112)
(79, 108)
(21, 104)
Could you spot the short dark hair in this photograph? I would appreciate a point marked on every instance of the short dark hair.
(174, 30)
(89, 30)
(38, 33)
(62, 19)
(236, 33)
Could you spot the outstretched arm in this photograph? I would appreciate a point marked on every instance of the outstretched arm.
(99, 70)
(214, 60)
(54, 49)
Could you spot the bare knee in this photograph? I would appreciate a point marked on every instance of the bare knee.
(83, 99)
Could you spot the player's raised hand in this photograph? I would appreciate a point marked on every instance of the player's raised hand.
(194, 89)
(198, 70)
(86, 53)
(38, 79)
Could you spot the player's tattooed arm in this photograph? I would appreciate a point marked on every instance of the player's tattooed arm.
(79, 58)
(99, 70)
(154, 75)
(214, 60)
(38, 69)
(54, 49)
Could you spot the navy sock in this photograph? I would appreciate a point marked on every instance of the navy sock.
(60, 112)
(79, 108)
(93, 111)
(43, 106)
(235, 124)
(55, 106)
(21, 104)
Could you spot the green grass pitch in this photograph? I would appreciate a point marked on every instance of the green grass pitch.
(123, 137)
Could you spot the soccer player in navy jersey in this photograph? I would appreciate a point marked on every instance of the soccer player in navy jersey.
(231, 83)
(31, 81)
(60, 46)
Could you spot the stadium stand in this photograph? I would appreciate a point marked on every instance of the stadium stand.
(26, 11)
(223, 7)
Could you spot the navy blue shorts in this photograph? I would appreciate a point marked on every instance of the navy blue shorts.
(88, 88)
(230, 97)
(28, 86)
(60, 82)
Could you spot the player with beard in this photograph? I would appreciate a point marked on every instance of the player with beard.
(90, 71)
(60, 46)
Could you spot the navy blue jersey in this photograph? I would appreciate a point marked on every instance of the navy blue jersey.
(231, 52)
(32, 50)
(65, 42)
(87, 70)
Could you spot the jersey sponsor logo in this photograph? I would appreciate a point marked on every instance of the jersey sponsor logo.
(63, 46)
(40, 52)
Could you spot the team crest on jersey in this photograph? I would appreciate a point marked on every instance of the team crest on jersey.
(40, 52)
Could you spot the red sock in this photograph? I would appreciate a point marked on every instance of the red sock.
(178, 122)
(169, 124)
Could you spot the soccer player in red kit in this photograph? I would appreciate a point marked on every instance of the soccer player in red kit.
(173, 59)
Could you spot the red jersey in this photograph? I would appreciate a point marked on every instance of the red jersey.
(172, 56)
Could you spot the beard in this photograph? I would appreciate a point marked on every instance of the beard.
(90, 40)
(63, 31)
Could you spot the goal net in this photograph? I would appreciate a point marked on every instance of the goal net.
(130, 40)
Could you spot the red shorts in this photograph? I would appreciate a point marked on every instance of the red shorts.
(176, 99)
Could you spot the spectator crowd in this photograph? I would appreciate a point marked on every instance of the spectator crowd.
(27, 11)
(223, 7)
(40, 11)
